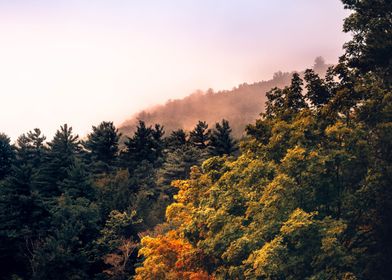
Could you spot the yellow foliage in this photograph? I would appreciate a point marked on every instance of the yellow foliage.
(166, 257)
(299, 219)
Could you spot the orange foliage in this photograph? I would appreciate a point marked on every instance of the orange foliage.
(168, 257)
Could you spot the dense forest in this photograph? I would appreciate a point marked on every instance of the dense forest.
(240, 106)
(306, 194)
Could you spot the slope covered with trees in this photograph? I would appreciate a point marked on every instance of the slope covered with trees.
(73, 209)
(310, 196)
(240, 106)
(305, 195)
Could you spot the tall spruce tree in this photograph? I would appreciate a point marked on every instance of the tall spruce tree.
(145, 145)
(158, 132)
(6, 155)
(275, 103)
(294, 100)
(23, 218)
(176, 139)
(62, 153)
(178, 165)
(102, 146)
(221, 141)
(200, 135)
(317, 91)
(31, 148)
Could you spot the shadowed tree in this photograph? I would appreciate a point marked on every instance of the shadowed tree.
(178, 165)
(176, 139)
(102, 145)
(221, 140)
(371, 46)
(145, 145)
(63, 150)
(200, 135)
(6, 155)
(317, 91)
(31, 148)
(294, 99)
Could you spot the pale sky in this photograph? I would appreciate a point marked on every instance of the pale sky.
(81, 62)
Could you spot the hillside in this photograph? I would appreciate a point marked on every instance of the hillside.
(240, 106)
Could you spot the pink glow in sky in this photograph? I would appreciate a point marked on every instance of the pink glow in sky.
(82, 62)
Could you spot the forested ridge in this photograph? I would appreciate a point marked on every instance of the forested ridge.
(240, 106)
(306, 194)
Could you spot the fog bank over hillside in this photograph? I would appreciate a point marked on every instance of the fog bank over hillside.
(240, 106)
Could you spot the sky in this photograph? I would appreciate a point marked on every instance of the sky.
(82, 62)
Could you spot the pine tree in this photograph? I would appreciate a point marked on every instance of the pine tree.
(146, 144)
(294, 99)
(31, 148)
(317, 91)
(23, 218)
(176, 139)
(157, 135)
(200, 135)
(371, 45)
(66, 253)
(62, 153)
(274, 105)
(77, 183)
(6, 155)
(178, 165)
(102, 146)
(221, 141)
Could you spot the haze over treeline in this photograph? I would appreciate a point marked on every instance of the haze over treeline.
(306, 194)
(240, 106)
(82, 62)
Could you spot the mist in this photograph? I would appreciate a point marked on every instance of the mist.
(80, 64)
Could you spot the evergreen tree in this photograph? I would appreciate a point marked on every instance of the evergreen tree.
(178, 165)
(23, 218)
(139, 147)
(77, 183)
(317, 92)
(30, 148)
(200, 135)
(62, 153)
(158, 143)
(102, 146)
(221, 141)
(275, 103)
(176, 139)
(371, 46)
(6, 155)
(294, 99)
(66, 253)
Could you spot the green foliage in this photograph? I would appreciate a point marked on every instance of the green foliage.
(62, 153)
(6, 155)
(308, 197)
(145, 145)
(200, 135)
(178, 165)
(102, 145)
(31, 148)
(176, 139)
(221, 142)
(64, 254)
(370, 49)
